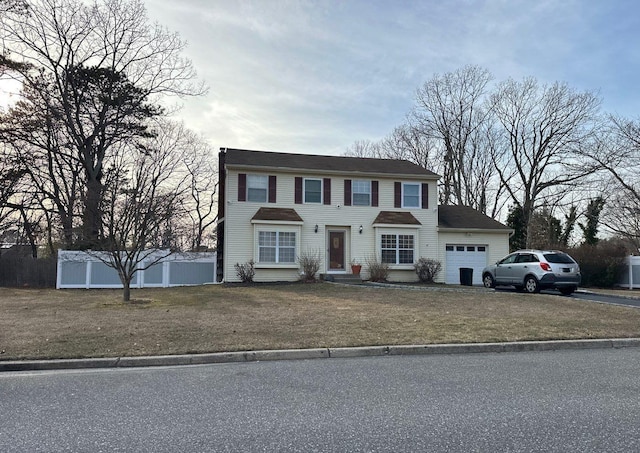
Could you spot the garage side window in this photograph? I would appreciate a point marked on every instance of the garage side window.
(397, 248)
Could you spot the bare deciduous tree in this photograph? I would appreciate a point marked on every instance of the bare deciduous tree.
(36, 138)
(616, 151)
(409, 143)
(541, 131)
(101, 68)
(145, 193)
(451, 108)
(364, 148)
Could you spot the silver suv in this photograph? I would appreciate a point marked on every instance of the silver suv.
(533, 270)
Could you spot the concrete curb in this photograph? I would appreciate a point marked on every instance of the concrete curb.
(316, 353)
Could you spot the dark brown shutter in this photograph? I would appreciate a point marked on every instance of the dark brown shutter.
(242, 187)
(298, 190)
(425, 196)
(374, 193)
(326, 188)
(397, 194)
(347, 192)
(272, 189)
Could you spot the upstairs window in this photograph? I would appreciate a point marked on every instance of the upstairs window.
(257, 188)
(411, 195)
(313, 191)
(361, 193)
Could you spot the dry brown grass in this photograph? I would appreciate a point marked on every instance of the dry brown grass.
(95, 323)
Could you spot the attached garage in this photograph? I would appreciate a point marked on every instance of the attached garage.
(469, 239)
(469, 256)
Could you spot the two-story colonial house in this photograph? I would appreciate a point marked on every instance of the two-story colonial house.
(274, 207)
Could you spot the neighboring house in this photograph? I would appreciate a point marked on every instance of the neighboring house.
(275, 207)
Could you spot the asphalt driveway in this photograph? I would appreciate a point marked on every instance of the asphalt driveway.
(591, 295)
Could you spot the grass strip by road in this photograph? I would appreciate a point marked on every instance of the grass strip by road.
(51, 324)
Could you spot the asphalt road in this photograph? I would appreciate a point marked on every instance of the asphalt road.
(563, 401)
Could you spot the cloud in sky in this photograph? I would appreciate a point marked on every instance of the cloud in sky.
(314, 76)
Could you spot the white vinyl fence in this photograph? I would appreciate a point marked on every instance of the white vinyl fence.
(631, 277)
(86, 270)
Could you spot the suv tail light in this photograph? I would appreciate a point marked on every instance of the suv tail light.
(545, 266)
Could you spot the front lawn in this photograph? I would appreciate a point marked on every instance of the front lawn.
(95, 323)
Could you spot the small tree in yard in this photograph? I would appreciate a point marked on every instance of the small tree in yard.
(427, 269)
(145, 191)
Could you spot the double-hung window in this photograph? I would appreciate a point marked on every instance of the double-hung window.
(313, 190)
(361, 193)
(411, 195)
(257, 188)
(277, 247)
(397, 248)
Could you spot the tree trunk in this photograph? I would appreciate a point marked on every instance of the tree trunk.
(126, 293)
(92, 218)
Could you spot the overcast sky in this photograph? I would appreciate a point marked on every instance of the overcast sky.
(314, 76)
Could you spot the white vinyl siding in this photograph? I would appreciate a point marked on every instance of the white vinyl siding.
(361, 193)
(257, 188)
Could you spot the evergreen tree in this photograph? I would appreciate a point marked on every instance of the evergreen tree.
(516, 222)
(592, 214)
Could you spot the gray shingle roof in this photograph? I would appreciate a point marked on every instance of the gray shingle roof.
(396, 218)
(467, 218)
(336, 164)
(282, 214)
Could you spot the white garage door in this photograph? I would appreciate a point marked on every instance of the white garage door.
(473, 256)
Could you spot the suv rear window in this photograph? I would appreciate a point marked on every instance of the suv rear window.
(561, 258)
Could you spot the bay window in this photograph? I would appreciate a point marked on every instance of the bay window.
(276, 247)
(397, 248)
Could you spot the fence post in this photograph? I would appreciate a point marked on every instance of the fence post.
(87, 276)
(58, 270)
(166, 273)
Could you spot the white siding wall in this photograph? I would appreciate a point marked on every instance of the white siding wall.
(240, 239)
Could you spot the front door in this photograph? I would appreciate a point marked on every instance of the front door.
(336, 251)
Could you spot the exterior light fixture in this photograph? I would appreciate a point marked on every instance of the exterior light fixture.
(360, 229)
(316, 228)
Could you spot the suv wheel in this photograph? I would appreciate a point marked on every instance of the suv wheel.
(488, 281)
(531, 285)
